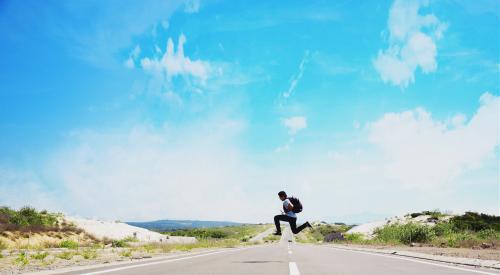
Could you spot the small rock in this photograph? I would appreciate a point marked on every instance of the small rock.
(485, 245)
(334, 236)
(412, 244)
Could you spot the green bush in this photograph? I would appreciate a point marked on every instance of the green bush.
(119, 243)
(68, 244)
(436, 214)
(443, 229)
(475, 222)
(405, 233)
(460, 239)
(25, 217)
(487, 234)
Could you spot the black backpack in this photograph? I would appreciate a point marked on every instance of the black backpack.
(297, 206)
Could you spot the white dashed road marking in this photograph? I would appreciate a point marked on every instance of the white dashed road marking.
(294, 270)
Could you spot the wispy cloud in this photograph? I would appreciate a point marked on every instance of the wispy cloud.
(294, 125)
(110, 33)
(192, 6)
(412, 43)
(296, 78)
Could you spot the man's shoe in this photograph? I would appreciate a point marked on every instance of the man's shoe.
(309, 225)
(277, 233)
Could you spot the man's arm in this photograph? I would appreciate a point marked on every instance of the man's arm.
(289, 207)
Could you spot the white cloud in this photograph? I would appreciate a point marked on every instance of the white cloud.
(423, 152)
(295, 79)
(412, 43)
(134, 54)
(173, 63)
(145, 172)
(192, 6)
(407, 159)
(295, 124)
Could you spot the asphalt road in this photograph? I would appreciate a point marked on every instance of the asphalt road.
(288, 258)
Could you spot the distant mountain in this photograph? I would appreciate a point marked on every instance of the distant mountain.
(169, 225)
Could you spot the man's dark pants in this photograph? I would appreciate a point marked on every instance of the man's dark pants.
(291, 220)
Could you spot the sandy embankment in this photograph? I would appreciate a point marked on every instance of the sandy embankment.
(119, 230)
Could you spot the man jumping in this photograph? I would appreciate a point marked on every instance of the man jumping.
(290, 217)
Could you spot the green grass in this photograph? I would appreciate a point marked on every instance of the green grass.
(89, 253)
(22, 259)
(68, 244)
(240, 232)
(40, 256)
(203, 243)
(130, 239)
(2, 245)
(271, 238)
(405, 233)
(126, 253)
(66, 255)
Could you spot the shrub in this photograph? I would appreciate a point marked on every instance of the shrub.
(26, 218)
(118, 243)
(475, 222)
(443, 229)
(436, 214)
(89, 254)
(405, 233)
(66, 255)
(354, 237)
(461, 239)
(68, 244)
(487, 234)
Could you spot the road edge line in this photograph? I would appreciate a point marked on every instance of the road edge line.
(422, 256)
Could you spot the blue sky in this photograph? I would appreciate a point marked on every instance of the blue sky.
(206, 109)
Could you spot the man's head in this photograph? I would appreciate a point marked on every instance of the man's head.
(282, 195)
